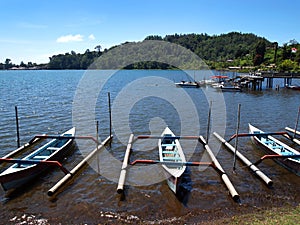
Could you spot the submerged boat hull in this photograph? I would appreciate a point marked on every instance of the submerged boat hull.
(19, 174)
(273, 146)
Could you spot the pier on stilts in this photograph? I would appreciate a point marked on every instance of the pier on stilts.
(255, 81)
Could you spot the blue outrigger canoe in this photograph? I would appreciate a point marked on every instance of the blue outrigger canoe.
(29, 167)
(273, 146)
(170, 151)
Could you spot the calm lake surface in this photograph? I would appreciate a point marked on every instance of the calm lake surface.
(143, 102)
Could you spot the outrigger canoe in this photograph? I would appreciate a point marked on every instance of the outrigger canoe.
(273, 146)
(20, 173)
(170, 151)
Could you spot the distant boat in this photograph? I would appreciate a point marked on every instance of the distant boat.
(18, 174)
(272, 146)
(230, 88)
(293, 87)
(170, 151)
(188, 84)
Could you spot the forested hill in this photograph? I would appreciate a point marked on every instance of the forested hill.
(212, 49)
(217, 47)
(218, 51)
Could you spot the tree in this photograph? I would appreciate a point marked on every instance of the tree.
(260, 50)
(275, 51)
(286, 52)
(287, 65)
(22, 64)
(8, 64)
(98, 48)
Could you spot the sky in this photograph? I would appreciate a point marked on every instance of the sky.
(34, 30)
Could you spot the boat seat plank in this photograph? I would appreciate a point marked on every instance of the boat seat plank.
(53, 148)
(40, 157)
(169, 152)
(172, 158)
(165, 145)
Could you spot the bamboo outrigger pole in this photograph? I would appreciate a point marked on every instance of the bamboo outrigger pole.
(292, 130)
(170, 163)
(122, 178)
(77, 168)
(291, 138)
(252, 166)
(169, 138)
(22, 148)
(276, 157)
(224, 176)
(256, 135)
(32, 162)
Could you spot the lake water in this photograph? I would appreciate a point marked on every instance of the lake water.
(143, 102)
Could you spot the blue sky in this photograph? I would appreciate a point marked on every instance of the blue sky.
(34, 30)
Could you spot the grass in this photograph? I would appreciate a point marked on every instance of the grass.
(282, 216)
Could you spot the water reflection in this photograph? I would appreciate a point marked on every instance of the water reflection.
(185, 187)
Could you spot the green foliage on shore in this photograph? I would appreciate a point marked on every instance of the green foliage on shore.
(284, 215)
(233, 50)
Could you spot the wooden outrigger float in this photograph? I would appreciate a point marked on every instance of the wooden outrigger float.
(176, 164)
(246, 161)
(52, 191)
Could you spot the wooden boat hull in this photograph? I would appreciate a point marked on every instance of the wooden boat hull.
(170, 151)
(272, 146)
(17, 175)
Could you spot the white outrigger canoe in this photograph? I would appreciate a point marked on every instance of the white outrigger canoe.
(170, 151)
(29, 167)
(273, 146)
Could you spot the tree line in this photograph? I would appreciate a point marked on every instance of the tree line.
(243, 50)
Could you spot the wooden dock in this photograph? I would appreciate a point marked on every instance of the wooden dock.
(255, 81)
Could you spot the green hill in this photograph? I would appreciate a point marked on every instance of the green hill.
(233, 50)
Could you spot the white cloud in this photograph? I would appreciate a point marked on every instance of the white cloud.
(92, 37)
(70, 38)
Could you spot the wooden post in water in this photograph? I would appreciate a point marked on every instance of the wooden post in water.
(237, 134)
(122, 178)
(97, 146)
(208, 122)
(224, 176)
(257, 171)
(17, 124)
(109, 109)
(297, 120)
